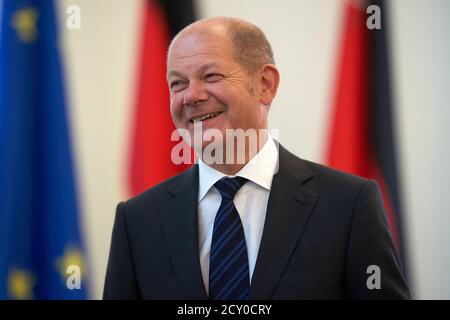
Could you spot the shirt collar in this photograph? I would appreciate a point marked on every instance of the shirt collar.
(260, 169)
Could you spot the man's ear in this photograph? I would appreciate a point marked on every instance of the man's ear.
(270, 78)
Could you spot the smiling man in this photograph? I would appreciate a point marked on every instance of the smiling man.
(273, 226)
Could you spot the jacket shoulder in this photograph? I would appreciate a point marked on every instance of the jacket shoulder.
(159, 194)
(317, 176)
(328, 178)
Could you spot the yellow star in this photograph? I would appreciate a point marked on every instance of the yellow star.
(24, 21)
(72, 256)
(20, 284)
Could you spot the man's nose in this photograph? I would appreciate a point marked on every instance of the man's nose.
(194, 94)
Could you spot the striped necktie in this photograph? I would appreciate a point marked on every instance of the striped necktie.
(229, 277)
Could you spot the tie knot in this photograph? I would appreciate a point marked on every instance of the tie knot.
(229, 186)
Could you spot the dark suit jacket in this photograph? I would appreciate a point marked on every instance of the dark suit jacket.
(323, 229)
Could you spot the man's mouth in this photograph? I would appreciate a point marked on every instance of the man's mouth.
(205, 117)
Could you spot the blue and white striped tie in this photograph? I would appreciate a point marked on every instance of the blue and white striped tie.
(229, 277)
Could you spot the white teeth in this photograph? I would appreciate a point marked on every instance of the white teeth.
(211, 115)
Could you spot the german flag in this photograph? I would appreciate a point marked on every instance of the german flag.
(362, 136)
(150, 148)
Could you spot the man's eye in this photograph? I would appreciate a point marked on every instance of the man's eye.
(175, 84)
(213, 77)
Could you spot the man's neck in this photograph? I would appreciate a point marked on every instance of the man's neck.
(235, 166)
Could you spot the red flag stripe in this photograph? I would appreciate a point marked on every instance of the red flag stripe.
(150, 155)
(350, 143)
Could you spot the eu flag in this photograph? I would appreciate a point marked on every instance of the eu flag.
(41, 255)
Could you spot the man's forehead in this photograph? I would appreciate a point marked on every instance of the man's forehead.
(185, 44)
(199, 68)
(207, 50)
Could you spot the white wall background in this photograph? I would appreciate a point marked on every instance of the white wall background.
(421, 51)
(100, 61)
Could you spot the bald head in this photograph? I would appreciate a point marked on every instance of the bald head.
(248, 44)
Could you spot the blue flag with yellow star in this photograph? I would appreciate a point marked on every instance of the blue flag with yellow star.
(41, 255)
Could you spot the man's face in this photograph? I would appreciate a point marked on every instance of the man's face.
(205, 80)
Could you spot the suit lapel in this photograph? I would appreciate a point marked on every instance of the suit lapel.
(180, 225)
(288, 211)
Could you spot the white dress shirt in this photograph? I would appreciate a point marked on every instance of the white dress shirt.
(250, 202)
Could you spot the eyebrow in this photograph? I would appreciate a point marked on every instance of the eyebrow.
(202, 69)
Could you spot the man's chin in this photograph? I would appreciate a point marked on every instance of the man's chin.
(210, 151)
(207, 145)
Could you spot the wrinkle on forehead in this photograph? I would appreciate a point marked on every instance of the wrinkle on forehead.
(187, 53)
